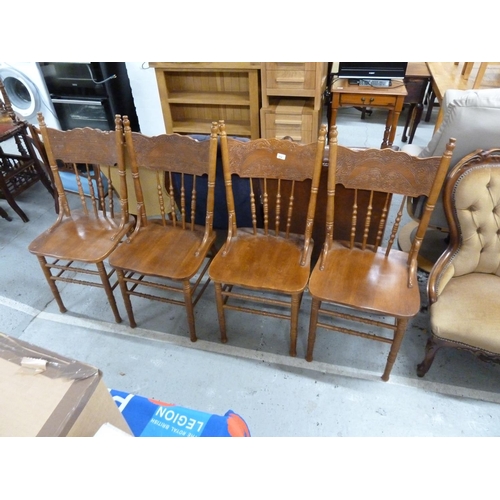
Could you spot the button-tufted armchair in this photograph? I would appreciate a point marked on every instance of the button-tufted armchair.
(464, 284)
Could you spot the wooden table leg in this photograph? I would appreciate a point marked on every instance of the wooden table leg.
(409, 122)
(467, 68)
(333, 112)
(480, 75)
(395, 118)
(415, 121)
(439, 119)
(4, 214)
(388, 131)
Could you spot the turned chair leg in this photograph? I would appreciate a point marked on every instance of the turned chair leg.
(53, 287)
(109, 291)
(220, 312)
(126, 297)
(188, 301)
(396, 344)
(431, 348)
(313, 322)
(294, 317)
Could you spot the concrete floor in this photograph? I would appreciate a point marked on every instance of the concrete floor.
(338, 394)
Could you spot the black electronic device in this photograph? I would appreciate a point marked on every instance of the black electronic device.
(378, 73)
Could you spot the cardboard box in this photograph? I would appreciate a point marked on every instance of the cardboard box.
(45, 394)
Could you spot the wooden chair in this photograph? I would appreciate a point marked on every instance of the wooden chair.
(464, 284)
(271, 260)
(22, 168)
(467, 70)
(172, 247)
(368, 279)
(84, 236)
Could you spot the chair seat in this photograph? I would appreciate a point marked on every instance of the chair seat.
(80, 238)
(162, 251)
(371, 282)
(468, 312)
(270, 263)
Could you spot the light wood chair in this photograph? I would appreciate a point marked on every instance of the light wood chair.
(91, 227)
(365, 282)
(467, 70)
(267, 266)
(170, 254)
(464, 284)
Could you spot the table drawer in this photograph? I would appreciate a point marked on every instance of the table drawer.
(367, 100)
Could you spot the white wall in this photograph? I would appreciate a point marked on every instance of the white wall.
(146, 98)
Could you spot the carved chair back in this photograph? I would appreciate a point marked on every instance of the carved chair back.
(89, 154)
(394, 173)
(274, 168)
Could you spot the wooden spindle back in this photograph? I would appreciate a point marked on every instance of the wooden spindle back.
(184, 166)
(87, 153)
(274, 167)
(383, 171)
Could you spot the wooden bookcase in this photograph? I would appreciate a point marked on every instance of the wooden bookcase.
(195, 94)
(292, 99)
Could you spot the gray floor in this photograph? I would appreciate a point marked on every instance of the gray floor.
(339, 394)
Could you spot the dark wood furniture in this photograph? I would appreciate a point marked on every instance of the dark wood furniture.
(4, 214)
(464, 284)
(170, 253)
(83, 236)
(391, 98)
(362, 283)
(416, 81)
(21, 169)
(264, 270)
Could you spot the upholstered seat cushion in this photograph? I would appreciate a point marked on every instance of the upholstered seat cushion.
(468, 312)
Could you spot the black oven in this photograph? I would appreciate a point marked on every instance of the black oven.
(89, 94)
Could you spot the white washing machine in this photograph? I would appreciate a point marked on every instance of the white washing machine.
(27, 91)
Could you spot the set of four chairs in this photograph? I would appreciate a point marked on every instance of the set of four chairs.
(262, 261)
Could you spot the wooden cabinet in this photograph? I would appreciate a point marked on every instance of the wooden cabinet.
(195, 94)
(292, 99)
(291, 118)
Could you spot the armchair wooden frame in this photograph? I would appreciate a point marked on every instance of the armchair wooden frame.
(355, 281)
(84, 236)
(264, 270)
(169, 254)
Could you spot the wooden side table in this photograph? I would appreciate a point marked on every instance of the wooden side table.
(391, 98)
(19, 171)
(416, 81)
